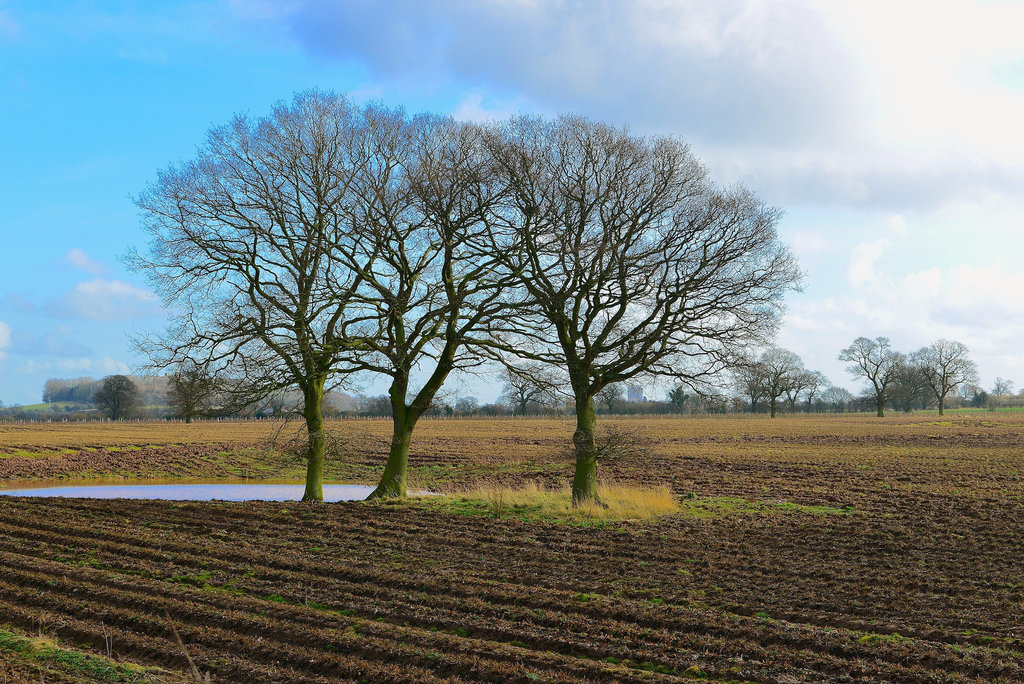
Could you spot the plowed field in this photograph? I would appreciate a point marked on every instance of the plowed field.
(809, 550)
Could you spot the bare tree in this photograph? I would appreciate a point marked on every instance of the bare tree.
(629, 262)
(243, 249)
(748, 378)
(909, 388)
(877, 362)
(813, 382)
(118, 396)
(430, 283)
(190, 391)
(781, 372)
(532, 386)
(945, 366)
(1002, 387)
(837, 399)
(610, 396)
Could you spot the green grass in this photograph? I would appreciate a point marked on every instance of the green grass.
(44, 652)
(720, 506)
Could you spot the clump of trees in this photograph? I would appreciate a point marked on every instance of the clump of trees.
(327, 239)
(776, 376)
(932, 373)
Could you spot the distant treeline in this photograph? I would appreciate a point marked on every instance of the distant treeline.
(152, 389)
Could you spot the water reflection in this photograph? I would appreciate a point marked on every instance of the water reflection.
(179, 491)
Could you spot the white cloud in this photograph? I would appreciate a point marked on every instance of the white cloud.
(105, 300)
(5, 338)
(979, 305)
(861, 270)
(871, 103)
(472, 108)
(79, 259)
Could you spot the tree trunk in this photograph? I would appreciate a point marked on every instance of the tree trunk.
(188, 419)
(393, 481)
(312, 410)
(942, 404)
(881, 409)
(584, 482)
(771, 407)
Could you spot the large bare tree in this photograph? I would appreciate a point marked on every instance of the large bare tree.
(945, 366)
(430, 284)
(629, 262)
(243, 252)
(878, 363)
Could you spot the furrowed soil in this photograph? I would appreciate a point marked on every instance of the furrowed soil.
(808, 549)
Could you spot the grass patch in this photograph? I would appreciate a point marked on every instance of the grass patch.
(534, 502)
(719, 506)
(44, 652)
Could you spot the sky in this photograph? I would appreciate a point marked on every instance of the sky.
(888, 132)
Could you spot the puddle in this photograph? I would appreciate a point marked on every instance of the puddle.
(184, 491)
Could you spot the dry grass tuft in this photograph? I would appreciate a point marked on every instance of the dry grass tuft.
(534, 502)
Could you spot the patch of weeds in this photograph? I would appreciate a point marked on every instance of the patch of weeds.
(45, 651)
(695, 672)
(873, 638)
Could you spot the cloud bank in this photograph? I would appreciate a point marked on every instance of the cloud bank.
(864, 104)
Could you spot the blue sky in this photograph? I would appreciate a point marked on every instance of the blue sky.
(889, 132)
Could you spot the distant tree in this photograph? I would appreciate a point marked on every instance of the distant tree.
(814, 383)
(190, 391)
(118, 396)
(804, 383)
(945, 366)
(749, 380)
(678, 397)
(781, 372)
(878, 363)
(1002, 388)
(610, 397)
(466, 405)
(909, 387)
(837, 399)
(375, 406)
(69, 389)
(533, 385)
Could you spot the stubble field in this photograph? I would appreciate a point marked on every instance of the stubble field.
(808, 549)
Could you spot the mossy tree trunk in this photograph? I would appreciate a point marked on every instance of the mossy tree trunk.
(312, 411)
(584, 482)
(393, 483)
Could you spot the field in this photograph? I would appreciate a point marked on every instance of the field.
(808, 549)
